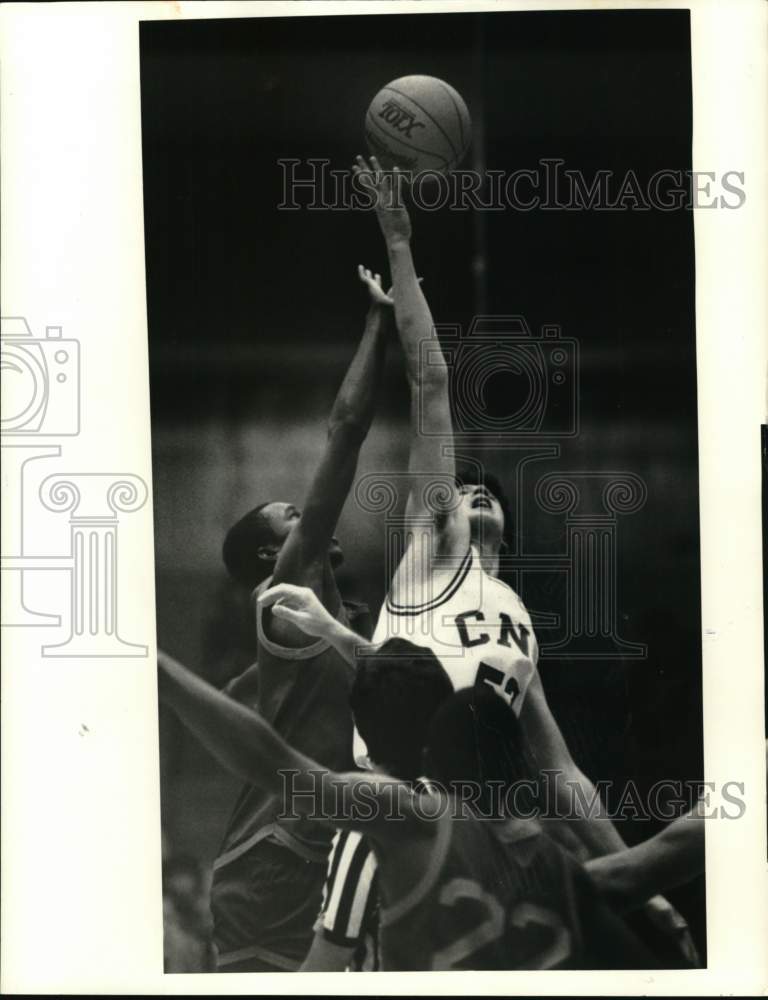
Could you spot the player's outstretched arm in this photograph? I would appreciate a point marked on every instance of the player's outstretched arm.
(238, 737)
(671, 858)
(303, 555)
(577, 798)
(302, 608)
(248, 746)
(431, 450)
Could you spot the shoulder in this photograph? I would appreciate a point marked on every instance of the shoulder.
(281, 640)
(508, 593)
(510, 602)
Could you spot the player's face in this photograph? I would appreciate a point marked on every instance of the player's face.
(486, 517)
(283, 518)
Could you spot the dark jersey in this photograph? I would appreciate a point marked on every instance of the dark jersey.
(499, 894)
(304, 694)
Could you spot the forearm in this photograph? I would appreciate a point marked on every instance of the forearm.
(578, 799)
(355, 402)
(671, 858)
(348, 425)
(431, 425)
(412, 314)
(348, 644)
(565, 791)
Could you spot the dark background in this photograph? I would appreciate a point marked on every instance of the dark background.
(254, 313)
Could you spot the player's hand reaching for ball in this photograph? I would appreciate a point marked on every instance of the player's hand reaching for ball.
(373, 283)
(387, 187)
(301, 607)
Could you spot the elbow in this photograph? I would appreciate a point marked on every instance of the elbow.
(570, 785)
(430, 379)
(347, 428)
(573, 775)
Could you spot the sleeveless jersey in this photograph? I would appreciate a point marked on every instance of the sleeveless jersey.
(476, 626)
(499, 894)
(304, 694)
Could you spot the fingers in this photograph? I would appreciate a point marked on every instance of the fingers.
(361, 169)
(288, 614)
(368, 277)
(688, 948)
(691, 951)
(372, 171)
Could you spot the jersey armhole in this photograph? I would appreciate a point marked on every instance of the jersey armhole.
(391, 914)
(442, 597)
(285, 652)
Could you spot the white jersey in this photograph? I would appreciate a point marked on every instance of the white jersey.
(476, 626)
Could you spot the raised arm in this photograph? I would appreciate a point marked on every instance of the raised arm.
(303, 556)
(431, 514)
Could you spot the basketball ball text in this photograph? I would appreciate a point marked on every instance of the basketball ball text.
(396, 116)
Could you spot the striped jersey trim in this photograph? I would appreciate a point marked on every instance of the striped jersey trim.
(284, 652)
(256, 951)
(275, 833)
(445, 594)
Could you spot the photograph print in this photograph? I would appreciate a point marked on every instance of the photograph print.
(422, 344)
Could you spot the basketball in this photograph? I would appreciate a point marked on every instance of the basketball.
(418, 123)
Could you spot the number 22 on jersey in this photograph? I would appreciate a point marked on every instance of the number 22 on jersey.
(494, 925)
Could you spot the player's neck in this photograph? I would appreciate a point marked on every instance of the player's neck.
(489, 556)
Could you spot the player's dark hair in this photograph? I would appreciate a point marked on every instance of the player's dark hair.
(240, 550)
(395, 693)
(469, 475)
(476, 737)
